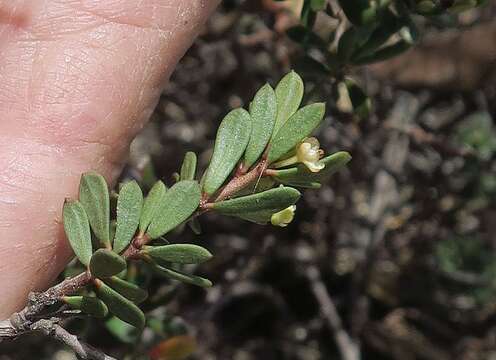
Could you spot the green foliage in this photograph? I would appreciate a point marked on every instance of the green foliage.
(105, 263)
(151, 205)
(295, 129)
(121, 307)
(258, 207)
(263, 116)
(230, 144)
(94, 195)
(301, 176)
(129, 205)
(178, 203)
(252, 194)
(188, 168)
(87, 304)
(179, 253)
(77, 230)
(129, 290)
(289, 92)
(182, 277)
(469, 256)
(478, 133)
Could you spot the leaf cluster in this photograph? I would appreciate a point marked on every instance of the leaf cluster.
(244, 179)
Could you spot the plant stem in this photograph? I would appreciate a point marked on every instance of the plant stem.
(240, 182)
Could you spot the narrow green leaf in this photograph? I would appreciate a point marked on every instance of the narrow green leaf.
(87, 304)
(300, 174)
(272, 201)
(232, 137)
(94, 195)
(188, 168)
(263, 115)
(303, 184)
(389, 25)
(105, 263)
(384, 53)
(179, 253)
(122, 331)
(359, 12)
(359, 100)
(261, 217)
(129, 205)
(118, 305)
(348, 43)
(289, 92)
(77, 230)
(151, 205)
(297, 128)
(182, 277)
(129, 290)
(318, 5)
(178, 203)
(195, 226)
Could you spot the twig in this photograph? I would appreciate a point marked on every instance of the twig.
(34, 317)
(50, 327)
(348, 349)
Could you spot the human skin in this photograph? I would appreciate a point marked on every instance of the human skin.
(78, 79)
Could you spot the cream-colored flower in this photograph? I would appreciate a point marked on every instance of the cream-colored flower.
(283, 217)
(309, 153)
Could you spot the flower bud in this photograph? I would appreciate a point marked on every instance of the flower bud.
(309, 153)
(283, 217)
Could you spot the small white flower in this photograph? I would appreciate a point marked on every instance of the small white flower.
(309, 153)
(283, 217)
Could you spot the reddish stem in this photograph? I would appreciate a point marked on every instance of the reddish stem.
(238, 183)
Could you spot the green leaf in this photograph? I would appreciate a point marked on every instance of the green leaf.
(308, 15)
(263, 116)
(77, 230)
(195, 226)
(188, 168)
(152, 204)
(359, 12)
(301, 175)
(94, 195)
(179, 253)
(289, 92)
(297, 128)
(306, 37)
(129, 290)
(303, 184)
(258, 217)
(359, 100)
(105, 263)
(118, 305)
(179, 202)
(318, 5)
(121, 330)
(272, 201)
(384, 53)
(182, 277)
(389, 25)
(349, 42)
(231, 141)
(129, 205)
(87, 304)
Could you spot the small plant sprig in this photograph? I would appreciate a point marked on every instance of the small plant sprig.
(260, 157)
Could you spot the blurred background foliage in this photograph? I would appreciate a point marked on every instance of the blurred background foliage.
(398, 250)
